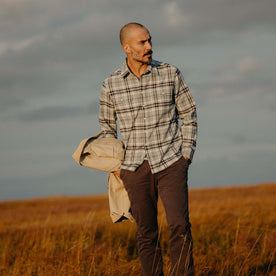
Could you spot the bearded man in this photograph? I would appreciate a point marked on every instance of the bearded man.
(156, 115)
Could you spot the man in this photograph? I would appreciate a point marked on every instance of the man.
(148, 98)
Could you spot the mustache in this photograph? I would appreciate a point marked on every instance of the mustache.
(148, 53)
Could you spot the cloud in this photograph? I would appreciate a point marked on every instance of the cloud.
(48, 48)
(19, 45)
(240, 78)
(232, 152)
(175, 17)
(247, 65)
(239, 138)
(248, 168)
(75, 180)
(49, 113)
(231, 15)
(28, 18)
(56, 112)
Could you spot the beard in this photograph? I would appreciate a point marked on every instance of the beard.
(148, 62)
(141, 60)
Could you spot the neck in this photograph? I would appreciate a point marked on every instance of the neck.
(137, 68)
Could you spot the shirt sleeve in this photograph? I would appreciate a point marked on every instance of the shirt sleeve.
(107, 116)
(187, 113)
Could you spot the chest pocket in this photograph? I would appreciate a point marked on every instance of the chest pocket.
(121, 102)
(128, 101)
(166, 96)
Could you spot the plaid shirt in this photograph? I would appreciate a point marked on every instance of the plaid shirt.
(147, 110)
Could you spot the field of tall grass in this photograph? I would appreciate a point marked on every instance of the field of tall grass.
(234, 232)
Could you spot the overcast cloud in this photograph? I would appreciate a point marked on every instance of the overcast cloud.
(54, 56)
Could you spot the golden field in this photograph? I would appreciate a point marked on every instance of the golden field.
(234, 232)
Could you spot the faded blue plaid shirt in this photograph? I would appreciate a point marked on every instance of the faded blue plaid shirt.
(148, 112)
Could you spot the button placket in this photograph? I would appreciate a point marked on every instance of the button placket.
(143, 110)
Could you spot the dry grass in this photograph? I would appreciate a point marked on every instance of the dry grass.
(234, 231)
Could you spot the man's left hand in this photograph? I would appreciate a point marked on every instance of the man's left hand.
(188, 159)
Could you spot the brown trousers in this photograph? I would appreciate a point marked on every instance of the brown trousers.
(143, 189)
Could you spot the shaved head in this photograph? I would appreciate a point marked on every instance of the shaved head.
(136, 42)
(126, 31)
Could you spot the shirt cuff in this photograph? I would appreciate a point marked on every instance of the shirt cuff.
(188, 152)
(107, 133)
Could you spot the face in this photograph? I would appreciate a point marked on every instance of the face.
(138, 46)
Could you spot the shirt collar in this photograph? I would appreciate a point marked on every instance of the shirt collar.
(125, 71)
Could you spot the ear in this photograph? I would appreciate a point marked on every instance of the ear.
(126, 48)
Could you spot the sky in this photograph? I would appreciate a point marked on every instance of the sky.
(54, 56)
